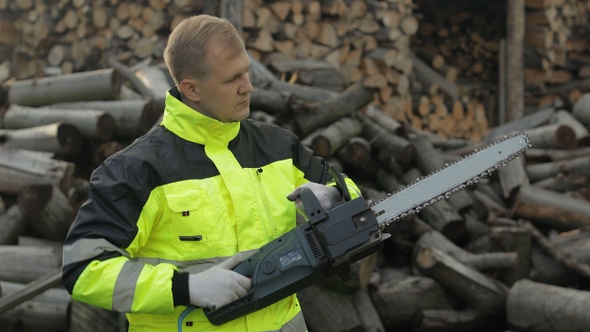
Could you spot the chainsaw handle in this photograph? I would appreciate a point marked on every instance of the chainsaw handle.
(339, 180)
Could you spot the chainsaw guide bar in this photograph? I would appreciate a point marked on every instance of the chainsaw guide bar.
(449, 180)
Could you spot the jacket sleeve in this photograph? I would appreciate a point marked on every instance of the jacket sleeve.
(105, 237)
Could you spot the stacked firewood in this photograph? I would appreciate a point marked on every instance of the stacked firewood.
(76, 35)
(476, 261)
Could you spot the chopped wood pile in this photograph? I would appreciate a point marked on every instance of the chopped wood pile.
(478, 260)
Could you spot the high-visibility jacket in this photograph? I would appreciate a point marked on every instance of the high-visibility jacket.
(187, 195)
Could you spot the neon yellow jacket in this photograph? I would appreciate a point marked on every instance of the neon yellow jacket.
(224, 185)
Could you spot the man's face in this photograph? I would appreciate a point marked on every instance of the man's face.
(225, 91)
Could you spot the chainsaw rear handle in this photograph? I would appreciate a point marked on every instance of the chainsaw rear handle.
(340, 183)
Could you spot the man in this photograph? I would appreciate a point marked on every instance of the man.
(171, 215)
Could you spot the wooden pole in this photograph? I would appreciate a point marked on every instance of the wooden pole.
(515, 60)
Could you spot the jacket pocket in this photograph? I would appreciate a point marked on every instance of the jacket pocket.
(199, 221)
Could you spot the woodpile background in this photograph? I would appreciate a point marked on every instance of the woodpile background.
(389, 90)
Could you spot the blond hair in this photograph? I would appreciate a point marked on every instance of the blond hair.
(186, 51)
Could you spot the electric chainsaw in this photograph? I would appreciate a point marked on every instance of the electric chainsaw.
(332, 240)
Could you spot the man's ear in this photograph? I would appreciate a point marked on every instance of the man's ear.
(190, 90)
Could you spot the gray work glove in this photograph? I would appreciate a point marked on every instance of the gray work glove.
(326, 195)
(218, 285)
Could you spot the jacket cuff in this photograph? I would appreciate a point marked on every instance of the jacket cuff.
(180, 292)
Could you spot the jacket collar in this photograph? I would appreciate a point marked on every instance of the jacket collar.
(194, 126)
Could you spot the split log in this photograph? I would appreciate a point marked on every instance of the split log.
(538, 307)
(553, 136)
(60, 138)
(33, 263)
(20, 168)
(327, 312)
(12, 225)
(385, 121)
(429, 76)
(47, 209)
(579, 166)
(552, 209)
(102, 84)
(310, 116)
(398, 301)
(486, 294)
(132, 117)
(484, 261)
(91, 124)
(333, 137)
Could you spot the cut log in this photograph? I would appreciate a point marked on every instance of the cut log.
(60, 138)
(400, 148)
(538, 307)
(12, 225)
(581, 109)
(36, 316)
(20, 168)
(512, 176)
(367, 312)
(91, 124)
(431, 320)
(102, 319)
(566, 118)
(579, 166)
(333, 137)
(398, 301)
(545, 155)
(554, 136)
(132, 117)
(155, 80)
(13, 294)
(486, 294)
(552, 209)
(497, 260)
(310, 116)
(102, 84)
(47, 209)
(518, 240)
(550, 261)
(444, 218)
(324, 311)
(33, 263)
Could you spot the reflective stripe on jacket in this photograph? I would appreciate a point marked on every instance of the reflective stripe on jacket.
(185, 196)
